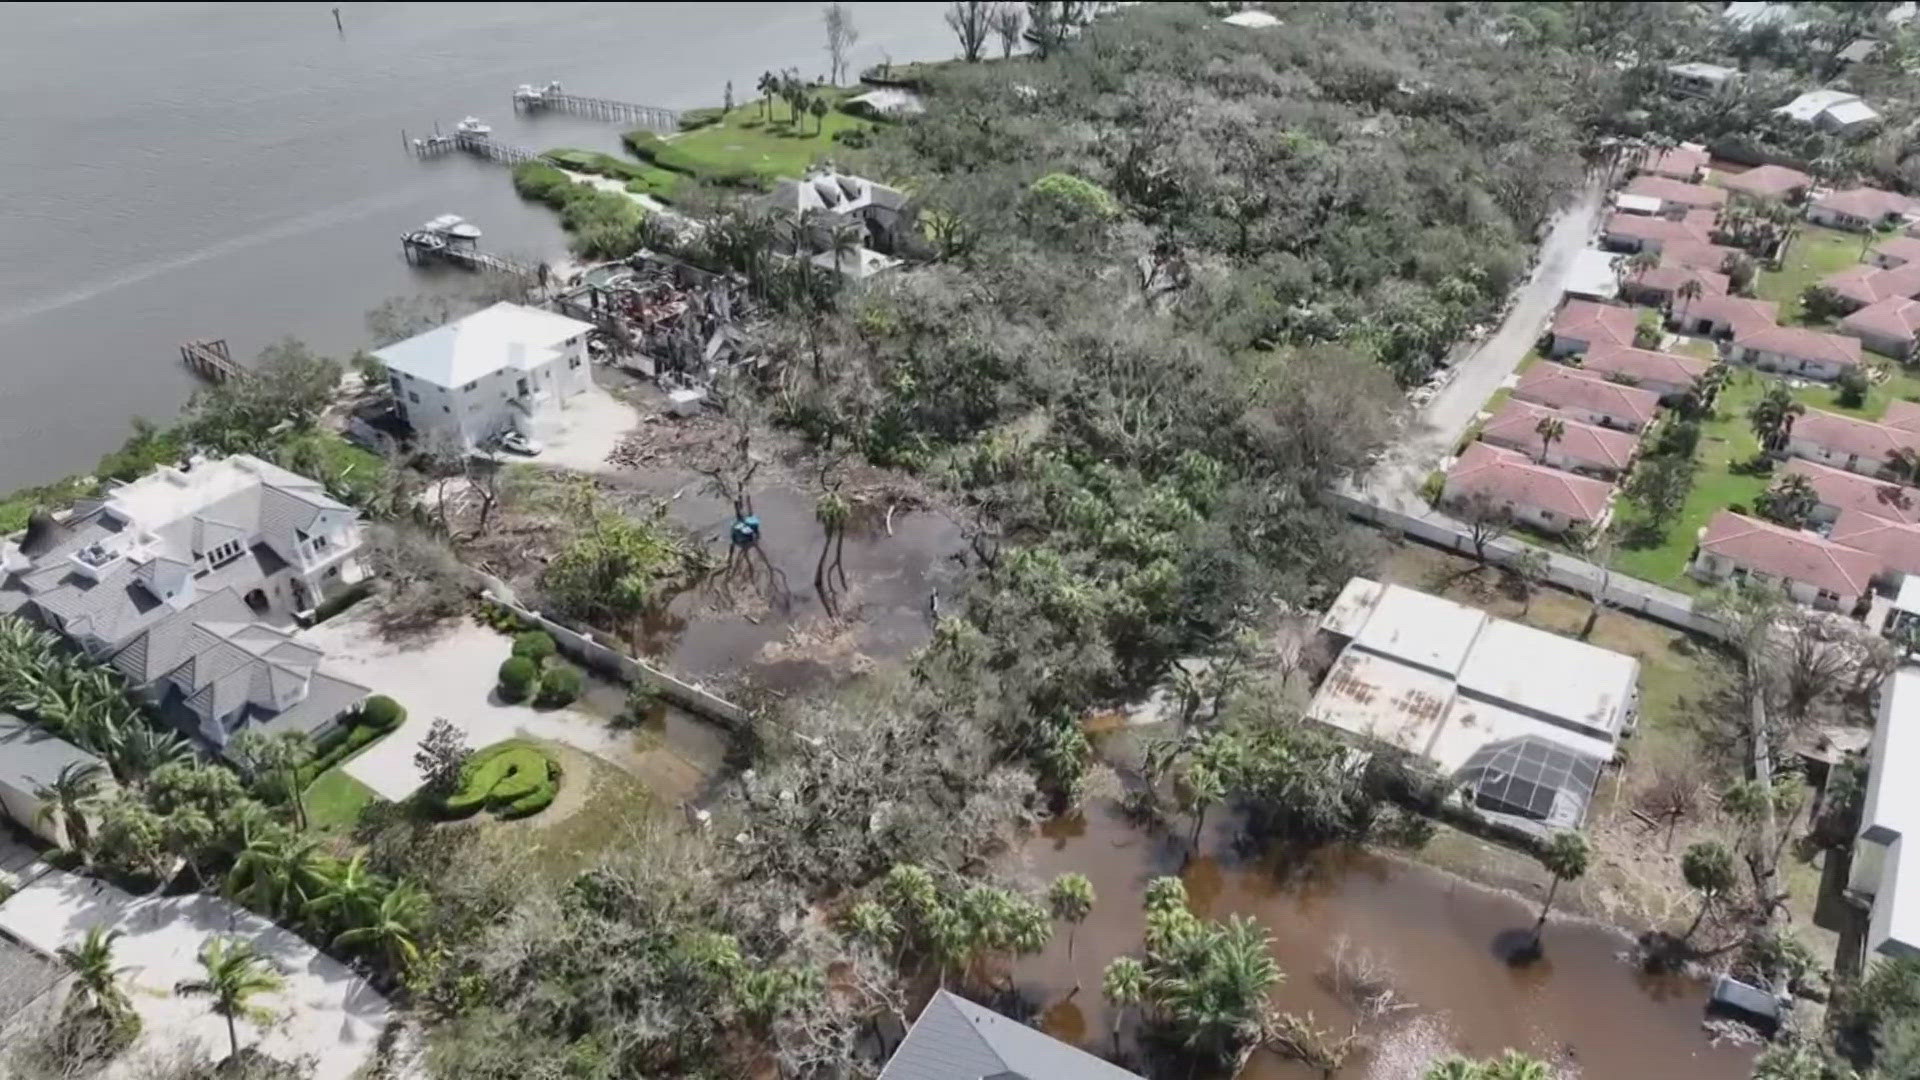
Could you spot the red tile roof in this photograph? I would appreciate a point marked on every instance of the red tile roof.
(1648, 227)
(1904, 415)
(1509, 476)
(1845, 490)
(1895, 317)
(1865, 202)
(1671, 274)
(1768, 181)
(1900, 249)
(1742, 313)
(1683, 162)
(1563, 387)
(1593, 323)
(1801, 556)
(1517, 423)
(1869, 284)
(1669, 190)
(1697, 254)
(1643, 364)
(1895, 543)
(1844, 434)
(1801, 343)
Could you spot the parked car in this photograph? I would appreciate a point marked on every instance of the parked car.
(515, 443)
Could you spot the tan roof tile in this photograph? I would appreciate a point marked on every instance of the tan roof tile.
(1517, 424)
(1789, 553)
(1509, 476)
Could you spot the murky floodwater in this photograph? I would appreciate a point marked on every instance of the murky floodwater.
(1578, 1005)
(762, 615)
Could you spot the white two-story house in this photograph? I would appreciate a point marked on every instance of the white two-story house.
(507, 368)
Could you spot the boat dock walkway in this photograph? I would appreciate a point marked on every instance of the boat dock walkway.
(551, 98)
(451, 238)
(210, 360)
(472, 137)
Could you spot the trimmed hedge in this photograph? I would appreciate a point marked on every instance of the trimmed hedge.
(512, 779)
(650, 147)
(535, 645)
(695, 119)
(517, 677)
(382, 713)
(559, 685)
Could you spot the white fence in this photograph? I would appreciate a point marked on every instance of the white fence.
(583, 648)
(1620, 591)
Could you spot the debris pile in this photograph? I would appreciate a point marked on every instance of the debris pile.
(682, 323)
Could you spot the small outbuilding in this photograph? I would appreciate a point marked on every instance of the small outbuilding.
(31, 758)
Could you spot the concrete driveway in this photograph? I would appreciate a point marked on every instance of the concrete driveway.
(580, 436)
(325, 1012)
(1395, 481)
(452, 675)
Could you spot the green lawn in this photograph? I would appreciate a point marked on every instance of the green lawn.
(1696, 347)
(770, 144)
(1892, 383)
(334, 801)
(1726, 440)
(1816, 253)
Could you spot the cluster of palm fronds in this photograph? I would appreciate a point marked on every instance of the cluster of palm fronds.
(44, 679)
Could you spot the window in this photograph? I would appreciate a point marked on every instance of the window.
(223, 553)
(573, 362)
(446, 408)
(413, 397)
(471, 385)
(1546, 515)
(523, 387)
(395, 380)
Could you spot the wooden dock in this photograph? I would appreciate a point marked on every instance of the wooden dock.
(552, 99)
(420, 252)
(479, 145)
(211, 361)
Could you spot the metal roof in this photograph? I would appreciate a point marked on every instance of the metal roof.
(500, 337)
(955, 1039)
(31, 757)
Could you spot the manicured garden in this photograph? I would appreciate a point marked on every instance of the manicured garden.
(512, 779)
(754, 143)
(333, 799)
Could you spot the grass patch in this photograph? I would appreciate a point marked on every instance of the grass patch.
(334, 801)
(615, 805)
(751, 145)
(1892, 383)
(1726, 440)
(1817, 253)
(1699, 348)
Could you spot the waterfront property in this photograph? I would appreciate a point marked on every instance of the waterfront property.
(186, 581)
(829, 204)
(1525, 718)
(1884, 877)
(31, 759)
(506, 369)
(955, 1039)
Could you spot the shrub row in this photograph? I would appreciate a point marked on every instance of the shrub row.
(695, 119)
(377, 716)
(512, 779)
(593, 161)
(532, 666)
(604, 224)
(650, 147)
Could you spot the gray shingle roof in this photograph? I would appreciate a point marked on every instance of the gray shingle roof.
(31, 757)
(955, 1039)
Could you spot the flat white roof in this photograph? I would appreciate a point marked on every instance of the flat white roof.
(1908, 599)
(1891, 815)
(167, 494)
(1638, 204)
(1378, 698)
(1592, 273)
(1700, 69)
(1853, 112)
(1550, 676)
(1349, 613)
(502, 336)
(1252, 20)
(1415, 627)
(1471, 724)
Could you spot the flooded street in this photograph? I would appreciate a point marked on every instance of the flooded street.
(1578, 1006)
(763, 616)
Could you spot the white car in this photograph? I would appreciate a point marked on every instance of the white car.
(515, 443)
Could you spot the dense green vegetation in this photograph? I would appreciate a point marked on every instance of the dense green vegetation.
(754, 143)
(604, 224)
(512, 779)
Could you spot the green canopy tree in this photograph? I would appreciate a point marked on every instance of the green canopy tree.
(1070, 898)
(1708, 869)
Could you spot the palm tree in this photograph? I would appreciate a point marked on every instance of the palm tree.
(1565, 857)
(818, 107)
(142, 748)
(765, 86)
(1789, 502)
(870, 922)
(1708, 869)
(845, 237)
(1772, 417)
(1200, 786)
(235, 974)
(1123, 985)
(1071, 897)
(1551, 429)
(833, 512)
(276, 873)
(349, 895)
(68, 798)
(96, 982)
(1688, 292)
(393, 928)
(1512, 1065)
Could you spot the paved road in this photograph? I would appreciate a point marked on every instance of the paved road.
(1395, 481)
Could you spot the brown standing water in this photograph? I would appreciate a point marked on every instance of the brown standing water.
(1579, 1005)
(763, 615)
